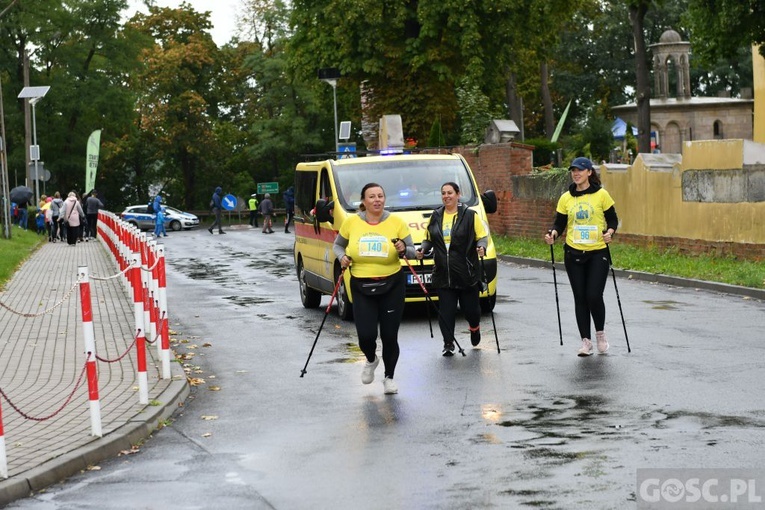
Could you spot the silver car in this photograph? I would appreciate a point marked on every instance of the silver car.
(175, 219)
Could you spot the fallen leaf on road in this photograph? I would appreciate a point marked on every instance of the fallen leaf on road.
(93, 468)
(196, 381)
(207, 434)
(131, 451)
(214, 388)
(209, 417)
(207, 344)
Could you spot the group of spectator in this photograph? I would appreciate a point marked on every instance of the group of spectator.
(264, 208)
(73, 219)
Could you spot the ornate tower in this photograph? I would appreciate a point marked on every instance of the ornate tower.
(671, 52)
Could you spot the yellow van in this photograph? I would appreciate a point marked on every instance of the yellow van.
(328, 192)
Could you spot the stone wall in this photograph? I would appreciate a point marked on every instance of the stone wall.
(649, 201)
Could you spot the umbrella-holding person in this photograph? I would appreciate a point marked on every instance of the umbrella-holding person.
(22, 196)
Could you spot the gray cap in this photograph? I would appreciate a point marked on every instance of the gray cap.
(268, 195)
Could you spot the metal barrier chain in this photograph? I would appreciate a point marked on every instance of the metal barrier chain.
(115, 360)
(68, 399)
(49, 310)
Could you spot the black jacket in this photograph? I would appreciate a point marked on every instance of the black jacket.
(457, 268)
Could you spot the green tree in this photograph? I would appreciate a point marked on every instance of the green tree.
(77, 48)
(725, 26)
(179, 89)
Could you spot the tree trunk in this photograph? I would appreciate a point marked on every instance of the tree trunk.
(643, 92)
(547, 101)
(511, 96)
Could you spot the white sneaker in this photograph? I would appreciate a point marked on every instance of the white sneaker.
(586, 349)
(602, 342)
(368, 374)
(390, 386)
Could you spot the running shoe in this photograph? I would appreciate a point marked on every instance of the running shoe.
(448, 349)
(602, 342)
(368, 374)
(586, 349)
(390, 386)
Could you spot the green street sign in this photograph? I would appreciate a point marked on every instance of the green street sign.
(268, 187)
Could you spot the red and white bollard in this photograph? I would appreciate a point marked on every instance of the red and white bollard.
(90, 349)
(3, 457)
(151, 260)
(148, 327)
(140, 342)
(164, 325)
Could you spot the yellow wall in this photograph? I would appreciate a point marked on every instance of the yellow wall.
(650, 203)
(758, 66)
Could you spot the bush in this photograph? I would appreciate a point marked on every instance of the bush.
(544, 151)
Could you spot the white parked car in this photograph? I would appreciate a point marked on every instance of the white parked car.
(175, 219)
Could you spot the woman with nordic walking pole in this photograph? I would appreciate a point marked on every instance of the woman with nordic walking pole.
(377, 284)
(586, 213)
(458, 239)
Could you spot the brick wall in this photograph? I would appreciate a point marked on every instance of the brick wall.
(494, 167)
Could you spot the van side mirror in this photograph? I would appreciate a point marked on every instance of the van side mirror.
(489, 201)
(324, 210)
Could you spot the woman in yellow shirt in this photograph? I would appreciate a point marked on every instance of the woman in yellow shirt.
(586, 213)
(457, 238)
(378, 286)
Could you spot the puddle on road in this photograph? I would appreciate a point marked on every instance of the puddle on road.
(664, 305)
(197, 270)
(277, 267)
(247, 300)
(506, 299)
(349, 351)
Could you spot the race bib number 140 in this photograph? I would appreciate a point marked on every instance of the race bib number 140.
(374, 246)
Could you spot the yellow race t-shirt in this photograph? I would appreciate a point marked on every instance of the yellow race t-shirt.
(370, 246)
(586, 221)
(447, 222)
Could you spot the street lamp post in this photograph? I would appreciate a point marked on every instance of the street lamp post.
(34, 150)
(34, 95)
(330, 75)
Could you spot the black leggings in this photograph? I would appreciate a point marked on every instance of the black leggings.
(588, 274)
(384, 310)
(447, 309)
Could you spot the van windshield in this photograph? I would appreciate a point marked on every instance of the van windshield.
(409, 184)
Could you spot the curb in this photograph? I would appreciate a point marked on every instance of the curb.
(722, 288)
(141, 426)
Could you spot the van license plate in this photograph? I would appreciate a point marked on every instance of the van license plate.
(425, 278)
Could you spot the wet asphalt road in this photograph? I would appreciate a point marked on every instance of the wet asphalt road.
(533, 427)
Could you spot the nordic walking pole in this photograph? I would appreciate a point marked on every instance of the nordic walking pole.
(618, 300)
(326, 312)
(427, 295)
(555, 281)
(427, 308)
(494, 324)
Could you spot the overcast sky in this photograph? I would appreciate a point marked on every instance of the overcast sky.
(222, 14)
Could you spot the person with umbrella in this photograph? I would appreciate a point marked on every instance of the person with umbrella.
(22, 196)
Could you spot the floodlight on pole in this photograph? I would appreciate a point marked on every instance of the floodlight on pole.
(34, 95)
